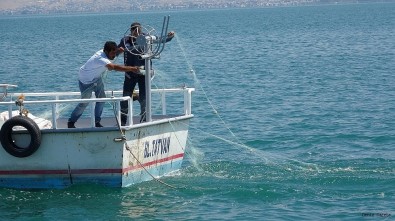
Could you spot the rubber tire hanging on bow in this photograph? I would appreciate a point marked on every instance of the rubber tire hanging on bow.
(9, 144)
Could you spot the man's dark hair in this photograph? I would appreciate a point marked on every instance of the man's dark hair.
(110, 46)
(135, 25)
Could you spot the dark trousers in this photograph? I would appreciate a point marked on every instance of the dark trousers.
(131, 79)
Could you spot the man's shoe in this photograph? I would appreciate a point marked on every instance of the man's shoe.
(97, 124)
(70, 124)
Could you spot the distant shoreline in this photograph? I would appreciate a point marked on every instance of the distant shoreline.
(26, 12)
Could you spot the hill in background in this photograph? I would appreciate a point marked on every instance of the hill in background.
(11, 7)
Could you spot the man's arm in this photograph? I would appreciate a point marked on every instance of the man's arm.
(168, 38)
(117, 67)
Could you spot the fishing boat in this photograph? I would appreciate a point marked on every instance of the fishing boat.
(41, 152)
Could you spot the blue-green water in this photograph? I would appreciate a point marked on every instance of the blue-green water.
(294, 112)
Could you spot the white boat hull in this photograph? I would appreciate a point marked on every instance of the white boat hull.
(100, 156)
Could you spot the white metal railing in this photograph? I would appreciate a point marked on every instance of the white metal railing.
(55, 99)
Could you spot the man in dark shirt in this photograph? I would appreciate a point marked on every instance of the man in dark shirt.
(132, 58)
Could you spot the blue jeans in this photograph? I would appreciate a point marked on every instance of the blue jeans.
(86, 92)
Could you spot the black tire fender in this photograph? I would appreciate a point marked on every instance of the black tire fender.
(9, 144)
